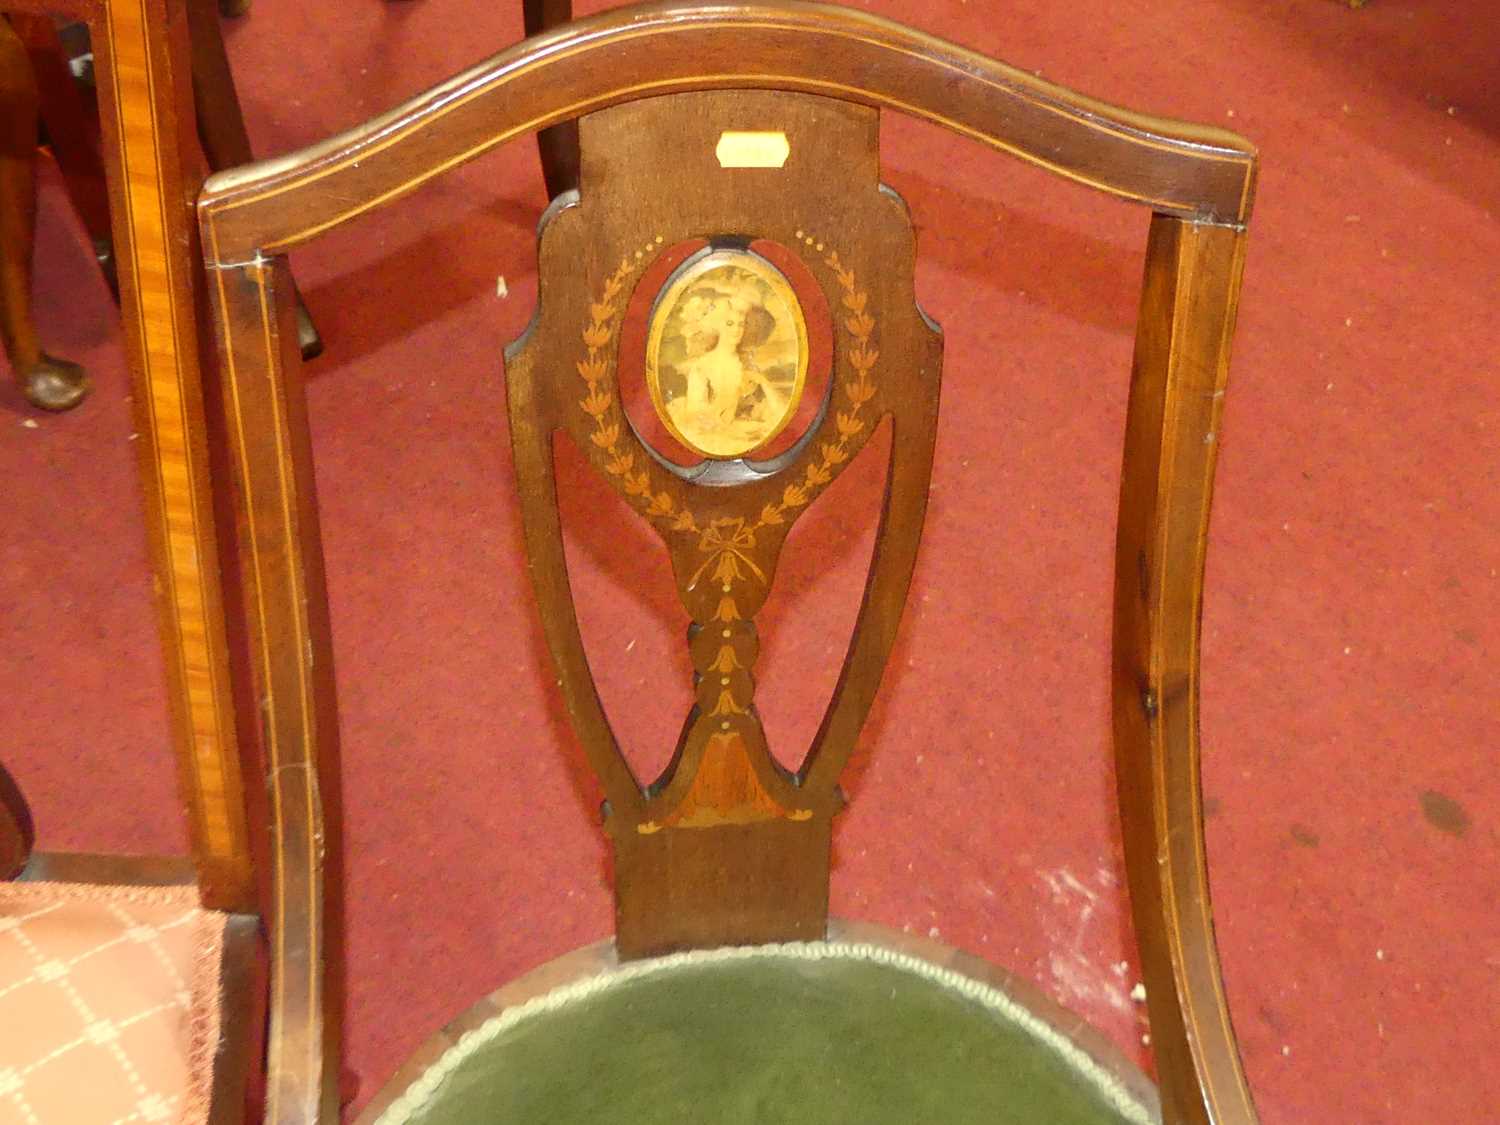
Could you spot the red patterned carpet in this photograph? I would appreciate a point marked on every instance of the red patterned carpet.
(1350, 714)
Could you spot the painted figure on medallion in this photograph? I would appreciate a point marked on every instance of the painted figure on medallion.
(726, 357)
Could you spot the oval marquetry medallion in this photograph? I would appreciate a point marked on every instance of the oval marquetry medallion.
(726, 353)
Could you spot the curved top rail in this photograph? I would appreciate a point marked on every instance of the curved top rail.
(1193, 171)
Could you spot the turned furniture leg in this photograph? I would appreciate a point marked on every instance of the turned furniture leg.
(72, 133)
(559, 144)
(221, 124)
(49, 383)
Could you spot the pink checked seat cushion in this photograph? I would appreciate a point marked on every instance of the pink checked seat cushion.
(109, 1004)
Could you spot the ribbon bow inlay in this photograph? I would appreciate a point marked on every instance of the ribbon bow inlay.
(726, 541)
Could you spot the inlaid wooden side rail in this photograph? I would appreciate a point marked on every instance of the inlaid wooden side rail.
(636, 52)
(291, 658)
(141, 63)
(1177, 389)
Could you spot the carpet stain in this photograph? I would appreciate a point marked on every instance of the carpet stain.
(1304, 836)
(1079, 981)
(1212, 806)
(1444, 813)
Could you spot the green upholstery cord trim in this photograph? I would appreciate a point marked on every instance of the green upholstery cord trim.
(815, 1033)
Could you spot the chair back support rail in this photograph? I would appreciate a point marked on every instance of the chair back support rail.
(1198, 183)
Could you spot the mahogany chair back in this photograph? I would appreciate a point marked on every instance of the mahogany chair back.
(734, 127)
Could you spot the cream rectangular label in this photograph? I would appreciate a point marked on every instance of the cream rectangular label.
(752, 150)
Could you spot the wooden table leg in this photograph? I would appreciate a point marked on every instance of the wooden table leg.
(72, 124)
(49, 383)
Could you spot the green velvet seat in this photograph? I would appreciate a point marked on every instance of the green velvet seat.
(815, 1033)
